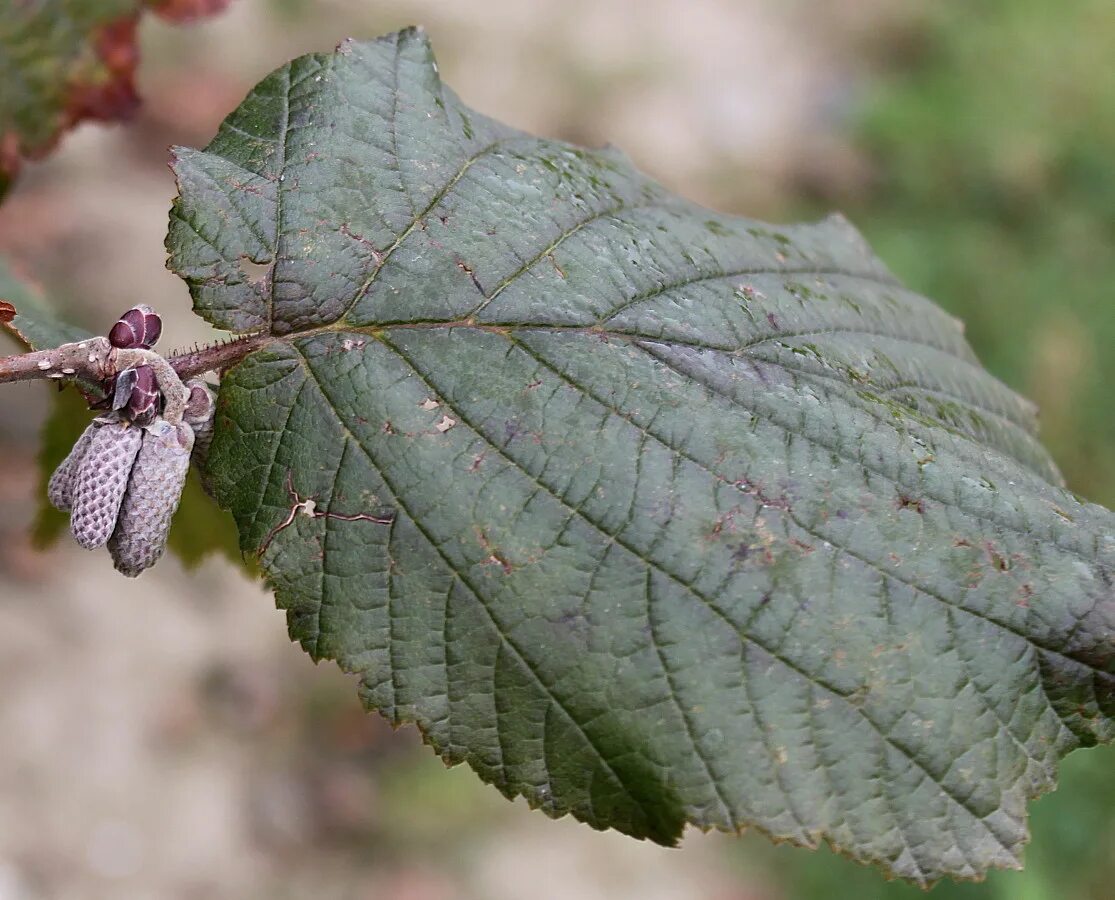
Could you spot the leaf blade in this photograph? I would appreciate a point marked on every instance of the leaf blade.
(695, 519)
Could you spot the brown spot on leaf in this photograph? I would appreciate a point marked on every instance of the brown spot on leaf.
(742, 552)
(7, 312)
(755, 490)
(494, 556)
(915, 503)
(501, 562)
(364, 242)
(726, 521)
(998, 561)
(464, 267)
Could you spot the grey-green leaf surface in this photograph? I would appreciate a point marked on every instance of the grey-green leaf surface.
(652, 515)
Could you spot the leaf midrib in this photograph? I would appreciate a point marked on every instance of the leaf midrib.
(379, 332)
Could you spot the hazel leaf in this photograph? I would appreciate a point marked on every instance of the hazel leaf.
(652, 515)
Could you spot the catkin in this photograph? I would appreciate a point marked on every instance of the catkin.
(60, 489)
(100, 480)
(152, 497)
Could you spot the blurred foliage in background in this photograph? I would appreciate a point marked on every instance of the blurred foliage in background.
(991, 138)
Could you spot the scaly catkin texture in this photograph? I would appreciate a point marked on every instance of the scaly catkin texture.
(152, 497)
(100, 480)
(60, 489)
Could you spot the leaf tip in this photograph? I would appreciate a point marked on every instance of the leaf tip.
(417, 36)
(174, 156)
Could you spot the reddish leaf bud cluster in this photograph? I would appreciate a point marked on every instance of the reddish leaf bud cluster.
(134, 393)
(139, 327)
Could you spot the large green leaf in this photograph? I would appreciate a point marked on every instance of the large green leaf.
(696, 520)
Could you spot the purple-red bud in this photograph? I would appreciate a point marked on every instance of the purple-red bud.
(139, 328)
(137, 395)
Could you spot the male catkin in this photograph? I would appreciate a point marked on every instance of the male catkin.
(101, 479)
(60, 489)
(152, 497)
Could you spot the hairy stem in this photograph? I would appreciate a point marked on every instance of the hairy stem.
(215, 358)
(95, 360)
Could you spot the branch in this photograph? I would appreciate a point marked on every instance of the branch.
(89, 360)
(215, 358)
(95, 361)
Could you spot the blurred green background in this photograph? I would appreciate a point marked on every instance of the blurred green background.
(165, 741)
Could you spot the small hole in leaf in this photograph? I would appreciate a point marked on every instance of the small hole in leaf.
(255, 272)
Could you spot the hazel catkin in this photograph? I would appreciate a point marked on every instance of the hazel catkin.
(153, 493)
(60, 488)
(101, 479)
